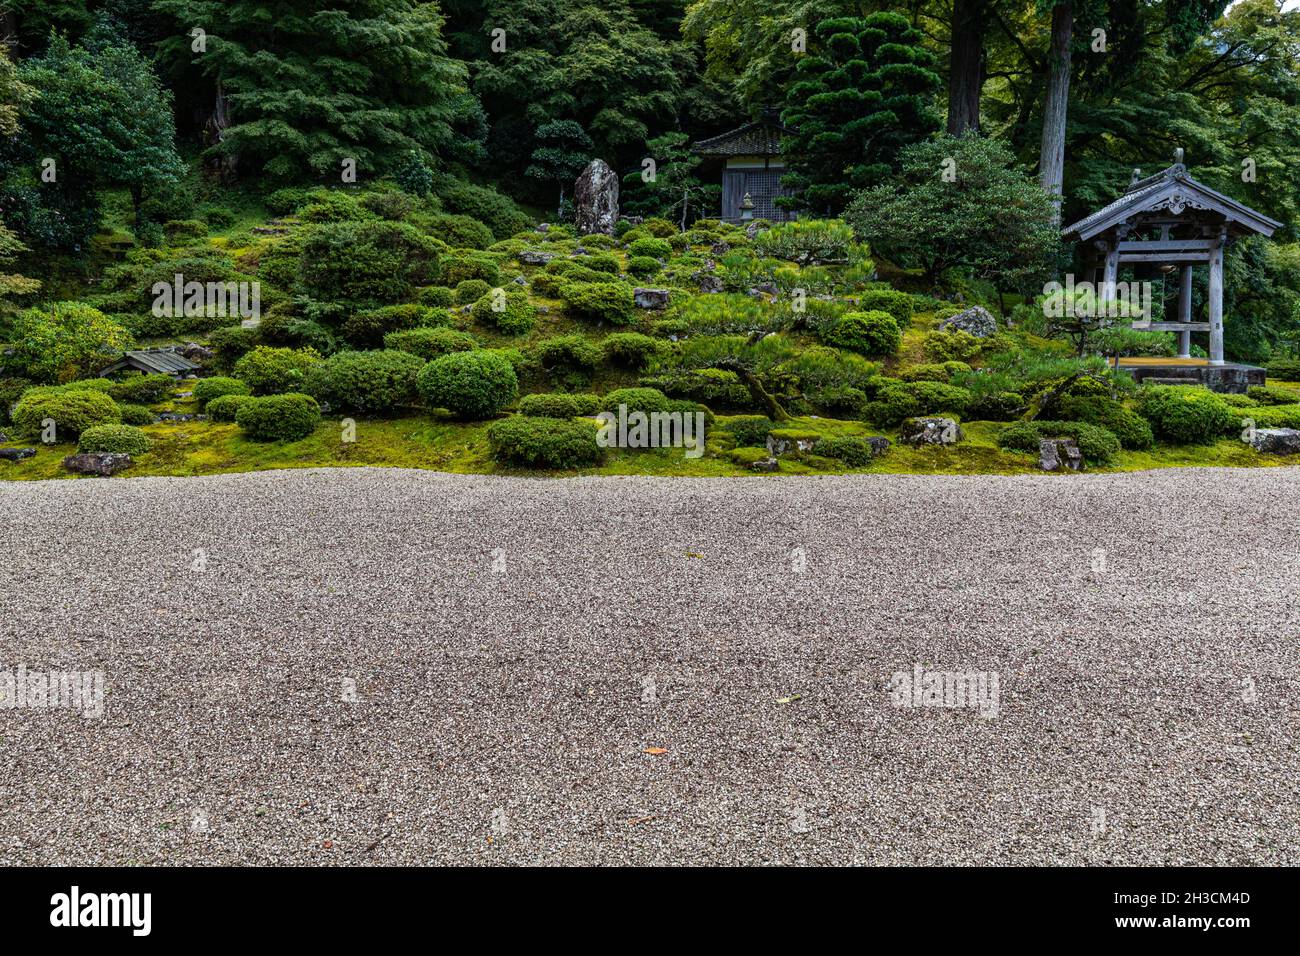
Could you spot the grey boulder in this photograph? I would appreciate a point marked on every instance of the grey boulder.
(976, 320)
(1059, 454)
(930, 431)
(1274, 441)
(650, 298)
(102, 463)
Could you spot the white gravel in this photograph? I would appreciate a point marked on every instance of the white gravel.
(1149, 692)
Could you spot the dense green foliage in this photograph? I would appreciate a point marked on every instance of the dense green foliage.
(373, 383)
(474, 385)
(125, 439)
(287, 417)
(534, 442)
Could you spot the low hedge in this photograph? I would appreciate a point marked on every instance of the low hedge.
(288, 417)
(867, 333)
(428, 344)
(135, 415)
(854, 452)
(544, 442)
(508, 312)
(896, 402)
(1184, 414)
(630, 349)
(1096, 444)
(1288, 370)
(1132, 430)
(125, 439)
(559, 405)
(206, 389)
(471, 385)
(750, 429)
(371, 383)
(224, 408)
(71, 410)
(599, 301)
(1272, 395)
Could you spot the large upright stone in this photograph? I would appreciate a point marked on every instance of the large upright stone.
(595, 199)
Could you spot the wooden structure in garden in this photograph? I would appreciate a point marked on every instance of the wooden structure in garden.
(748, 159)
(1173, 222)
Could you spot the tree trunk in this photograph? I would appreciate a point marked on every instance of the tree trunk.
(757, 392)
(686, 199)
(966, 78)
(1051, 158)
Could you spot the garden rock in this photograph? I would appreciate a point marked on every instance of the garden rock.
(650, 298)
(1274, 441)
(196, 352)
(16, 454)
(1059, 454)
(707, 283)
(595, 199)
(520, 280)
(534, 257)
(930, 431)
(976, 320)
(720, 248)
(103, 463)
(879, 445)
(765, 464)
(778, 445)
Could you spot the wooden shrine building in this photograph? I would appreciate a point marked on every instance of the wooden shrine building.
(748, 161)
(1171, 221)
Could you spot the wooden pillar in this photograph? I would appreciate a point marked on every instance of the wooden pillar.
(1185, 313)
(1216, 303)
(1110, 273)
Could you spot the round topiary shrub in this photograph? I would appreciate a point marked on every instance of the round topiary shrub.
(471, 290)
(1185, 414)
(508, 312)
(1132, 430)
(428, 344)
(610, 302)
(287, 417)
(867, 333)
(897, 304)
(854, 452)
(456, 269)
(270, 371)
(653, 248)
(368, 382)
(750, 430)
(126, 439)
(559, 405)
(367, 328)
(142, 389)
(135, 415)
(643, 266)
(224, 408)
(71, 410)
(206, 389)
(471, 385)
(630, 349)
(895, 402)
(544, 442)
(438, 296)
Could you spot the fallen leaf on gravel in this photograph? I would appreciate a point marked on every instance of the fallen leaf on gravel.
(328, 844)
(789, 700)
(638, 820)
(655, 750)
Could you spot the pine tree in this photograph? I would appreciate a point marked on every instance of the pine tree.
(14, 95)
(563, 150)
(298, 92)
(858, 100)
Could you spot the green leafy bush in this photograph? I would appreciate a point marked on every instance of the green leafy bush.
(268, 371)
(867, 333)
(1186, 415)
(470, 291)
(372, 383)
(1272, 395)
(653, 248)
(894, 403)
(367, 328)
(10, 391)
(288, 417)
(599, 301)
(1132, 430)
(1288, 370)
(955, 345)
(428, 344)
(750, 429)
(456, 269)
(206, 389)
(63, 341)
(471, 385)
(224, 408)
(571, 353)
(508, 311)
(125, 439)
(351, 264)
(230, 343)
(643, 266)
(854, 452)
(437, 296)
(462, 232)
(995, 406)
(630, 349)
(544, 442)
(142, 389)
(72, 410)
(135, 415)
(1272, 416)
(559, 405)
(810, 240)
(897, 304)
(1096, 444)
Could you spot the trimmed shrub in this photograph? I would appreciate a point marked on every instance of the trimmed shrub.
(1272, 395)
(136, 415)
(456, 270)
(224, 408)
(125, 439)
(143, 389)
(894, 403)
(461, 232)
(544, 442)
(643, 266)
(367, 329)
(995, 406)
(428, 344)
(650, 247)
(559, 405)
(1096, 444)
(1272, 416)
(230, 344)
(270, 371)
(1128, 426)
(955, 345)
(639, 400)
(841, 401)
(206, 389)
(1186, 415)
(630, 349)
(367, 263)
(437, 296)
(471, 385)
(1288, 370)
(368, 382)
(566, 353)
(750, 429)
(179, 232)
(470, 291)
(854, 452)
(72, 411)
(287, 417)
(867, 333)
(10, 391)
(508, 311)
(897, 304)
(610, 302)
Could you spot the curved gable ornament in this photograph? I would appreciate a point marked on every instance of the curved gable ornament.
(1177, 202)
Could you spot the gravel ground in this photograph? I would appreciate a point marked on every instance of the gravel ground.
(516, 646)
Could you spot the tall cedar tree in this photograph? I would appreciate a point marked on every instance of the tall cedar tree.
(305, 90)
(864, 95)
(14, 95)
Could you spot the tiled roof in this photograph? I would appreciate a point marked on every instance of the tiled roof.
(155, 361)
(760, 138)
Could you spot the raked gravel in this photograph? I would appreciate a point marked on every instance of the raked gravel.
(516, 645)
